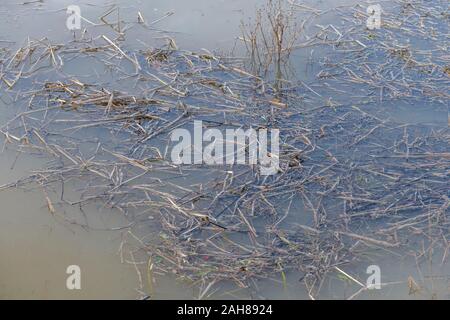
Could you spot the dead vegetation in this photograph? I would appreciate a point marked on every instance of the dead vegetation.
(270, 39)
(351, 181)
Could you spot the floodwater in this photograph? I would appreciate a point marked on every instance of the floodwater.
(37, 246)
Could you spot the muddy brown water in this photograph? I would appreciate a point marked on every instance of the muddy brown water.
(36, 247)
